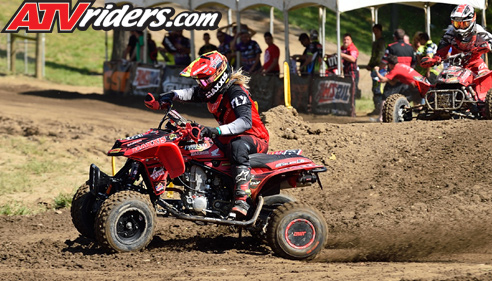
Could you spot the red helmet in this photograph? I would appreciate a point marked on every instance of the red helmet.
(211, 71)
(463, 19)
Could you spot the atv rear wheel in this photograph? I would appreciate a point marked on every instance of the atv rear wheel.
(297, 231)
(125, 222)
(83, 211)
(395, 109)
(488, 106)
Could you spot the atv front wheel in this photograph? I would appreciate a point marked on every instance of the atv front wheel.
(395, 109)
(488, 106)
(297, 231)
(83, 211)
(125, 222)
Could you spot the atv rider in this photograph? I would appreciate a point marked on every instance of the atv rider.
(464, 35)
(228, 99)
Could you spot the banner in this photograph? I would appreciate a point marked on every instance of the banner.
(309, 94)
(116, 77)
(146, 79)
(173, 81)
(333, 95)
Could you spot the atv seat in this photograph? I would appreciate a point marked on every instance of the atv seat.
(260, 160)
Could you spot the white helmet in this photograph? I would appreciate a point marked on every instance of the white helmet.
(463, 19)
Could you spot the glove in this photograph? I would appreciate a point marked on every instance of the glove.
(151, 103)
(166, 98)
(428, 62)
(210, 132)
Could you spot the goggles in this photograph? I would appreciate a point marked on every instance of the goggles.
(461, 24)
(205, 83)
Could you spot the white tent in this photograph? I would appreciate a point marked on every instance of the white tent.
(338, 6)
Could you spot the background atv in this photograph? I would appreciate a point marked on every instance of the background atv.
(458, 93)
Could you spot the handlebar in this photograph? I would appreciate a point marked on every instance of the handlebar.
(458, 59)
(192, 129)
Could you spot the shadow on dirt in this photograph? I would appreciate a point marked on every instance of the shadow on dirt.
(84, 246)
(137, 102)
(215, 245)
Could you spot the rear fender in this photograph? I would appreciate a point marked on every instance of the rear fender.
(285, 178)
(168, 155)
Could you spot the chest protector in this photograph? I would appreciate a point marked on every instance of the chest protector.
(223, 112)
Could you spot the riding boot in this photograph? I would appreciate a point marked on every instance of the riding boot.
(242, 191)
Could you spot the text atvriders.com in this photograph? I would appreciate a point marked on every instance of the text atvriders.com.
(34, 16)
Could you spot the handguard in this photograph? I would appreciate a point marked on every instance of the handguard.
(429, 62)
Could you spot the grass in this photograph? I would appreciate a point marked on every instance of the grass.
(29, 164)
(364, 105)
(14, 209)
(63, 200)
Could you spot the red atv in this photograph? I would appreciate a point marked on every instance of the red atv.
(171, 171)
(458, 93)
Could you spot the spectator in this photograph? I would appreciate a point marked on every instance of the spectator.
(402, 50)
(272, 54)
(349, 54)
(416, 41)
(233, 26)
(377, 53)
(179, 46)
(207, 47)
(405, 55)
(310, 60)
(224, 48)
(250, 53)
(428, 49)
(139, 48)
(417, 51)
(406, 39)
(130, 48)
(402, 78)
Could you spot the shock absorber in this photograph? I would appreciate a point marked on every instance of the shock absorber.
(133, 172)
(473, 95)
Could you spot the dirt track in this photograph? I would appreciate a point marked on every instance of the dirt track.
(405, 201)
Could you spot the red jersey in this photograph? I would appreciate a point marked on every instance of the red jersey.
(350, 67)
(270, 53)
(404, 73)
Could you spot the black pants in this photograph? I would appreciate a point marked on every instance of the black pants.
(241, 147)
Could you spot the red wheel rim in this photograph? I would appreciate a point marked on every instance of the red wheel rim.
(300, 234)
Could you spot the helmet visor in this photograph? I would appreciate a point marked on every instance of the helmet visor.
(461, 24)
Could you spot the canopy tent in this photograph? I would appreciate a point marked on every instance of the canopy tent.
(338, 6)
(345, 6)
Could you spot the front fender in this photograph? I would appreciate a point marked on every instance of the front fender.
(168, 155)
